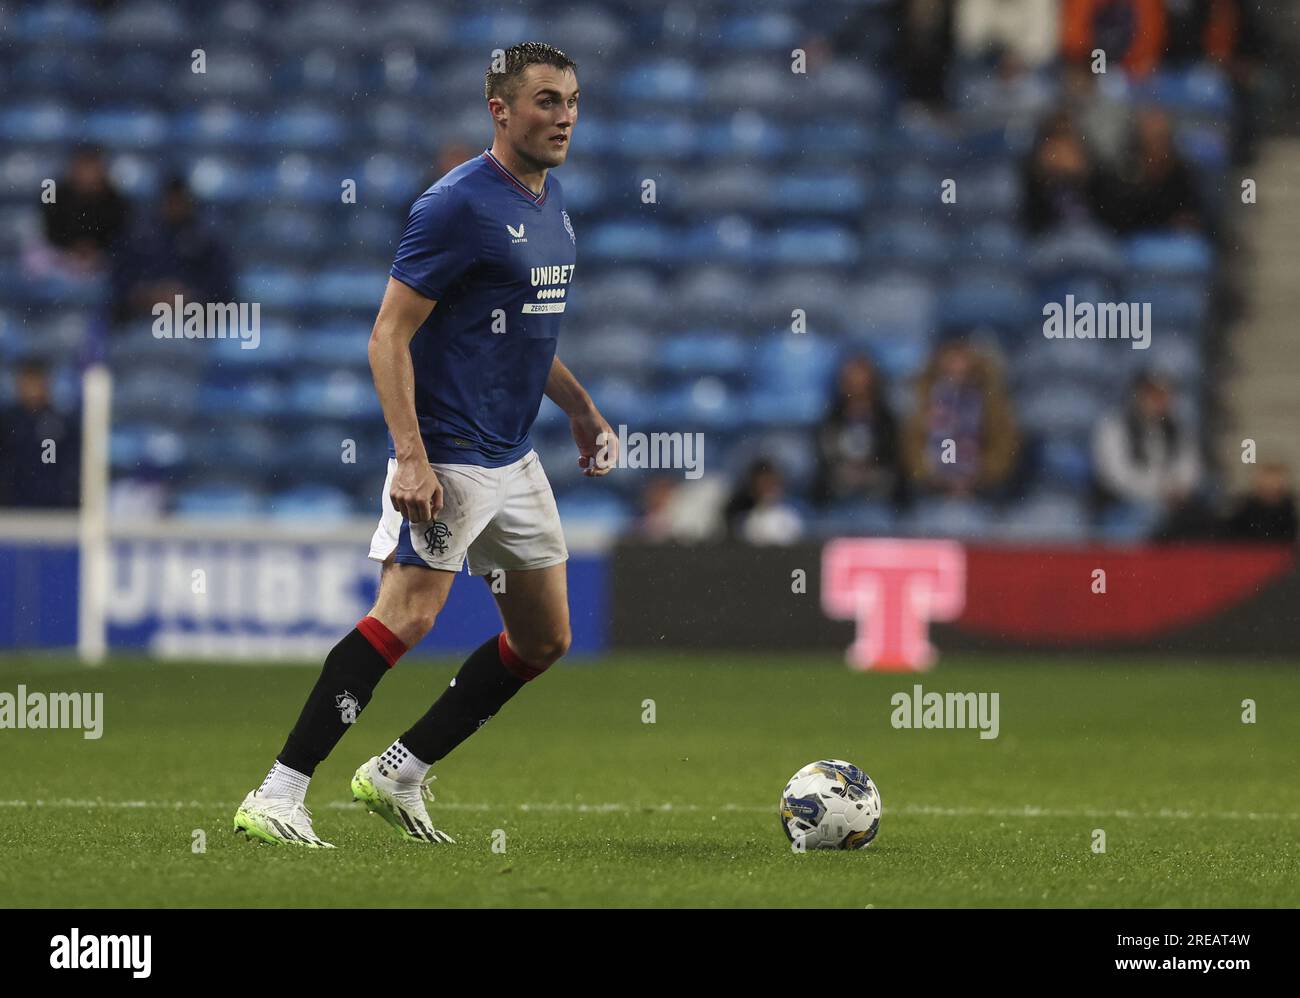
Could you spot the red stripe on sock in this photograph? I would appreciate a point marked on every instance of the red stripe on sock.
(513, 662)
(381, 639)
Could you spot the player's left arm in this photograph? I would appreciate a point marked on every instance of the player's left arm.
(597, 443)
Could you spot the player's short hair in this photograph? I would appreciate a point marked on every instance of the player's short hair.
(505, 84)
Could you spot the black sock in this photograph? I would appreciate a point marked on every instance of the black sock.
(480, 689)
(352, 670)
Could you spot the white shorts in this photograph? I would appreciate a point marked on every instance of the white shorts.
(501, 518)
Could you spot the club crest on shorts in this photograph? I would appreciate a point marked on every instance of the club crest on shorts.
(435, 537)
(348, 707)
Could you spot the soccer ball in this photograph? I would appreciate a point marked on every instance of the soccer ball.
(830, 804)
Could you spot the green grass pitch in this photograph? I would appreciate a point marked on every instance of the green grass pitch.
(599, 808)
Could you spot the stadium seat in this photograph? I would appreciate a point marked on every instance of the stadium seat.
(310, 502)
(212, 501)
(957, 518)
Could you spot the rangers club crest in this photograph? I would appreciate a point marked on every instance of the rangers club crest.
(435, 537)
(568, 227)
(348, 707)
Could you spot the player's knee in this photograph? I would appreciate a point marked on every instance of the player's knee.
(413, 623)
(544, 651)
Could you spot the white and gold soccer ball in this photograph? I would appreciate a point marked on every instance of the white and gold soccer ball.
(830, 804)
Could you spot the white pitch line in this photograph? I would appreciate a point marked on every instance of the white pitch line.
(573, 807)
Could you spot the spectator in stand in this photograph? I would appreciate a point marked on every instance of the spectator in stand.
(1025, 32)
(758, 513)
(1227, 33)
(87, 215)
(1144, 455)
(1214, 30)
(1062, 185)
(1154, 188)
(171, 255)
(924, 50)
(1130, 32)
(857, 441)
(655, 522)
(961, 439)
(1267, 512)
(40, 447)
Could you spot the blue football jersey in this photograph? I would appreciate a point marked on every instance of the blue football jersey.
(498, 260)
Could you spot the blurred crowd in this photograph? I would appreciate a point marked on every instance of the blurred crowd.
(952, 432)
(960, 442)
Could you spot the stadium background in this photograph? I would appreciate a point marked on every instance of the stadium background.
(798, 221)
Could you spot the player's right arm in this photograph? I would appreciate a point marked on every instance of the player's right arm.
(416, 492)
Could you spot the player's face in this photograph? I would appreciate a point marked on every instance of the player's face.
(543, 114)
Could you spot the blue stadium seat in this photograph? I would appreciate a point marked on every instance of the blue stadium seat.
(1062, 411)
(706, 352)
(231, 500)
(276, 287)
(1064, 464)
(264, 397)
(131, 128)
(856, 518)
(986, 301)
(1202, 89)
(907, 242)
(1127, 524)
(223, 179)
(350, 287)
(1175, 304)
(1045, 517)
(804, 244)
(305, 126)
(958, 518)
(1076, 250)
(699, 403)
(342, 394)
(70, 22)
(894, 304)
(631, 242)
(773, 30)
(38, 121)
(217, 124)
(822, 192)
(732, 239)
(145, 447)
(153, 22)
(1173, 254)
(661, 81)
(662, 138)
(310, 502)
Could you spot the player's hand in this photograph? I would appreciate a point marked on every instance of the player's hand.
(597, 443)
(416, 492)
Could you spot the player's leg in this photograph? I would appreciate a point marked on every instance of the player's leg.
(525, 545)
(409, 601)
(413, 588)
(535, 610)
(393, 784)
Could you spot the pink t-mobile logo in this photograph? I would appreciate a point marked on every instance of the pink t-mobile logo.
(893, 589)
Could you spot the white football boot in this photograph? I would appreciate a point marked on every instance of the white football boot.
(399, 803)
(277, 820)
